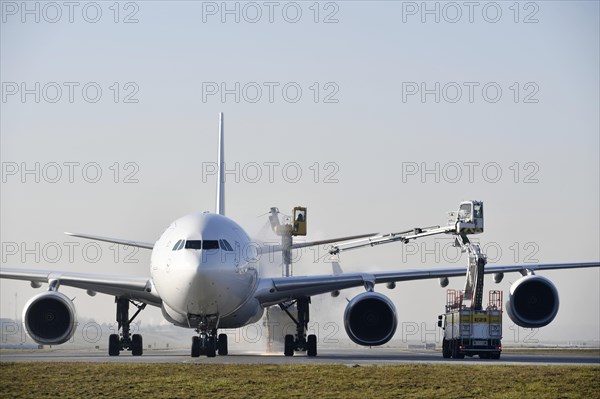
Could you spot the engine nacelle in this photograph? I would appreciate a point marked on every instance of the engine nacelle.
(370, 319)
(533, 302)
(50, 318)
(498, 277)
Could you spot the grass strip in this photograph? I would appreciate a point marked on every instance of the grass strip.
(83, 380)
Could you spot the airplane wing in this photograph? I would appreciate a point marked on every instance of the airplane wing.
(136, 288)
(129, 243)
(276, 290)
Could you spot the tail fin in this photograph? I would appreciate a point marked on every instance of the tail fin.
(221, 171)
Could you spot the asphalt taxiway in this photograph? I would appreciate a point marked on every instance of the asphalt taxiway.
(350, 357)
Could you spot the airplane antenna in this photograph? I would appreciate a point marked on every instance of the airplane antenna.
(221, 171)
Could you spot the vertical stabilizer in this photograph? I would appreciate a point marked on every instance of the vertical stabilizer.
(221, 168)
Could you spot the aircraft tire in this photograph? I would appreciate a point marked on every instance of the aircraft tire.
(195, 346)
(113, 345)
(311, 344)
(137, 346)
(289, 345)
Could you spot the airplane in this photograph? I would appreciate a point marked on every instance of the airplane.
(201, 279)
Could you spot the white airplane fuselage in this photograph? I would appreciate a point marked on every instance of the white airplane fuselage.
(201, 267)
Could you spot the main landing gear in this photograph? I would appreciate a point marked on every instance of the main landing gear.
(300, 342)
(207, 342)
(124, 340)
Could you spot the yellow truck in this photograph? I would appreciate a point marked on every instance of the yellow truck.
(470, 332)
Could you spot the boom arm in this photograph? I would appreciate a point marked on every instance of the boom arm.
(467, 220)
(402, 236)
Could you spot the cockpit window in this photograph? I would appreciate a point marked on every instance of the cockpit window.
(203, 244)
(225, 245)
(193, 244)
(175, 247)
(210, 244)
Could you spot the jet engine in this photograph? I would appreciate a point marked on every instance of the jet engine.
(50, 318)
(370, 319)
(533, 302)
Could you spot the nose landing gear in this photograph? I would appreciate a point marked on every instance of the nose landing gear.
(208, 343)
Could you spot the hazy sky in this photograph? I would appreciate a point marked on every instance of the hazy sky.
(377, 116)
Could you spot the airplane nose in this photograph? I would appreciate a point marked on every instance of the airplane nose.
(207, 262)
(208, 257)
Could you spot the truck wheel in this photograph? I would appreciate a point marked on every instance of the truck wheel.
(446, 354)
(454, 349)
(455, 352)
